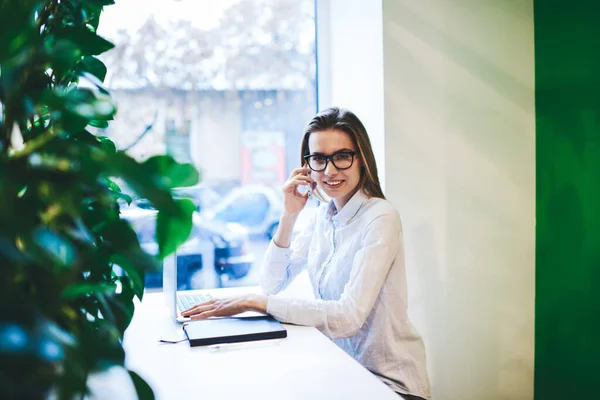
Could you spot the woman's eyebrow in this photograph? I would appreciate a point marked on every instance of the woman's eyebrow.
(316, 153)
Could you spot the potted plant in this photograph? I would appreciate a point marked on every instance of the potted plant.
(70, 267)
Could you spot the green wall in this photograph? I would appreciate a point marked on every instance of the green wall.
(567, 74)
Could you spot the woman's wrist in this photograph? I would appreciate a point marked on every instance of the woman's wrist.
(283, 235)
(257, 302)
(289, 217)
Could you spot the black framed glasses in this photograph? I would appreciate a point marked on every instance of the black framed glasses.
(340, 160)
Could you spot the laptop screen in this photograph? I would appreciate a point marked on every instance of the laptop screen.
(170, 282)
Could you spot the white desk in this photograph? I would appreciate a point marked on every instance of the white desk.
(305, 365)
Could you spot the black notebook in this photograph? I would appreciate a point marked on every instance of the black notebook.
(233, 330)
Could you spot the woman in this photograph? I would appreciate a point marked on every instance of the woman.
(354, 255)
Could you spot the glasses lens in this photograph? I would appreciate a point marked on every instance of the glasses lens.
(317, 163)
(342, 160)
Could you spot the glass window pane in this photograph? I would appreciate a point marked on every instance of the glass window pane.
(229, 87)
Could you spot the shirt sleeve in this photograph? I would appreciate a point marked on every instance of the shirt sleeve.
(281, 265)
(381, 244)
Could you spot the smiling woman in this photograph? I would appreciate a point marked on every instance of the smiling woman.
(354, 254)
(342, 135)
(336, 174)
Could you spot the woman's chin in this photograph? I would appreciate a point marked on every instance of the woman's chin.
(335, 193)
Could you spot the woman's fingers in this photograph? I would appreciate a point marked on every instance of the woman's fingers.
(214, 313)
(299, 180)
(221, 307)
(303, 178)
(298, 177)
(204, 314)
(204, 311)
(207, 305)
(299, 171)
(198, 316)
(293, 186)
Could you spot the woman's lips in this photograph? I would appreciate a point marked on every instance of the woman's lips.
(334, 183)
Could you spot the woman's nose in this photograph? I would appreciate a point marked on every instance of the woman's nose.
(330, 169)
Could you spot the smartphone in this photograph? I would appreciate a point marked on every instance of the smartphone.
(310, 185)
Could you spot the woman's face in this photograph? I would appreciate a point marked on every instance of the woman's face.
(339, 184)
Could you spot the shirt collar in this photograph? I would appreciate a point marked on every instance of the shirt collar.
(349, 210)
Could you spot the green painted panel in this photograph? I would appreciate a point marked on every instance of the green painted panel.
(567, 74)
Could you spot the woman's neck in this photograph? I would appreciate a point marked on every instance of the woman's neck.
(342, 201)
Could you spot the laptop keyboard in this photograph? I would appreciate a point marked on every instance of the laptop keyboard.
(186, 301)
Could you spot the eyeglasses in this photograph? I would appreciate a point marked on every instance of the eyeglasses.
(340, 160)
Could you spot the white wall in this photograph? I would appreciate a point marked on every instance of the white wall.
(460, 165)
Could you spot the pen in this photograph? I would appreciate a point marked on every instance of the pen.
(242, 345)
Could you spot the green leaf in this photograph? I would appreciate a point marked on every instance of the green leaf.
(107, 145)
(63, 54)
(73, 122)
(80, 107)
(144, 391)
(122, 305)
(171, 172)
(18, 29)
(94, 21)
(82, 289)
(140, 178)
(173, 229)
(87, 41)
(94, 66)
(88, 138)
(115, 191)
(99, 123)
(119, 236)
(123, 196)
(100, 342)
(56, 246)
(100, 3)
(94, 81)
(135, 273)
(89, 103)
(112, 185)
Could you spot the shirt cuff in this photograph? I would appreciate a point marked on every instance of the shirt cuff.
(277, 307)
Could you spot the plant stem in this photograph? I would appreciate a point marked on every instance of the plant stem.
(35, 144)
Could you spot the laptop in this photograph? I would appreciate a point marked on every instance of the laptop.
(180, 300)
(247, 326)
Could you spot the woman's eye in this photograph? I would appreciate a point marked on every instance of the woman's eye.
(319, 159)
(342, 157)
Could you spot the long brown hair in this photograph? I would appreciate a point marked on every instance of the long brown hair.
(345, 121)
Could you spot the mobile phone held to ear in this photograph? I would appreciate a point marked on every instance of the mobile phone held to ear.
(310, 184)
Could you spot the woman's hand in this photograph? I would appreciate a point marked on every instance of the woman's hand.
(293, 200)
(293, 203)
(226, 306)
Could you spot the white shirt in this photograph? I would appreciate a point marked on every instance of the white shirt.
(355, 262)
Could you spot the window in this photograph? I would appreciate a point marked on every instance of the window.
(229, 87)
(250, 210)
